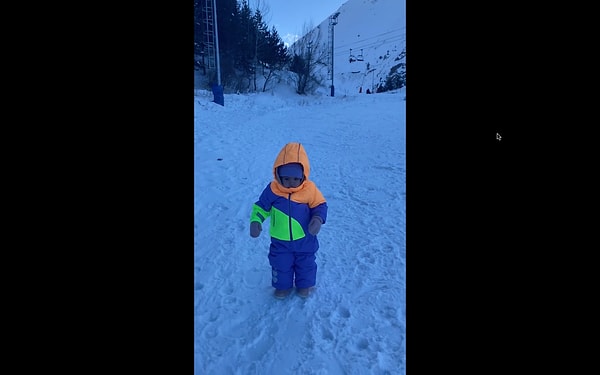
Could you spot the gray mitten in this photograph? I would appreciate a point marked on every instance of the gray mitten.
(255, 229)
(315, 225)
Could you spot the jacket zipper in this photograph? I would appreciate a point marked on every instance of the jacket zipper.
(290, 215)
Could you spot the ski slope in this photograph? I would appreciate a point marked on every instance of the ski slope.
(355, 322)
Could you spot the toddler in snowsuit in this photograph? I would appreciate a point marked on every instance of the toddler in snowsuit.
(297, 210)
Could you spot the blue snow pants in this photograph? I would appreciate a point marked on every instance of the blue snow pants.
(287, 264)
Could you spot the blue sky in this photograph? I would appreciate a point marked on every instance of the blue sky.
(289, 16)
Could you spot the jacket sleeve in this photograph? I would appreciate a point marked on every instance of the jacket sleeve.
(320, 211)
(318, 206)
(261, 209)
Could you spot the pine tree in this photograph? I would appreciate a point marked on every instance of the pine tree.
(246, 46)
(396, 78)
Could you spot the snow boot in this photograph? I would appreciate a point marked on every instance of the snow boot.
(304, 292)
(282, 293)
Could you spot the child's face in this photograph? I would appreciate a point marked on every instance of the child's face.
(290, 182)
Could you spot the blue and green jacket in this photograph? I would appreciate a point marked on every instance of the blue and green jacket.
(290, 209)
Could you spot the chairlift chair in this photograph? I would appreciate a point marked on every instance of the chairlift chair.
(352, 58)
(360, 57)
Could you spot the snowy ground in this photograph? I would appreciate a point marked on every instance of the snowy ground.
(355, 322)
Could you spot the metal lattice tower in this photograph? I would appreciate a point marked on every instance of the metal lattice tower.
(209, 34)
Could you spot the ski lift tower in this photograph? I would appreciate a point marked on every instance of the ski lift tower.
(218, 88)
(208, 17)
(332, 23)
(211, 35)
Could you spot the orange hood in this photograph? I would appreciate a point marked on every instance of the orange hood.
(293, 152)
(307, 192)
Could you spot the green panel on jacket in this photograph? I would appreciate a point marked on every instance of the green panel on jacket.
(280, 228)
